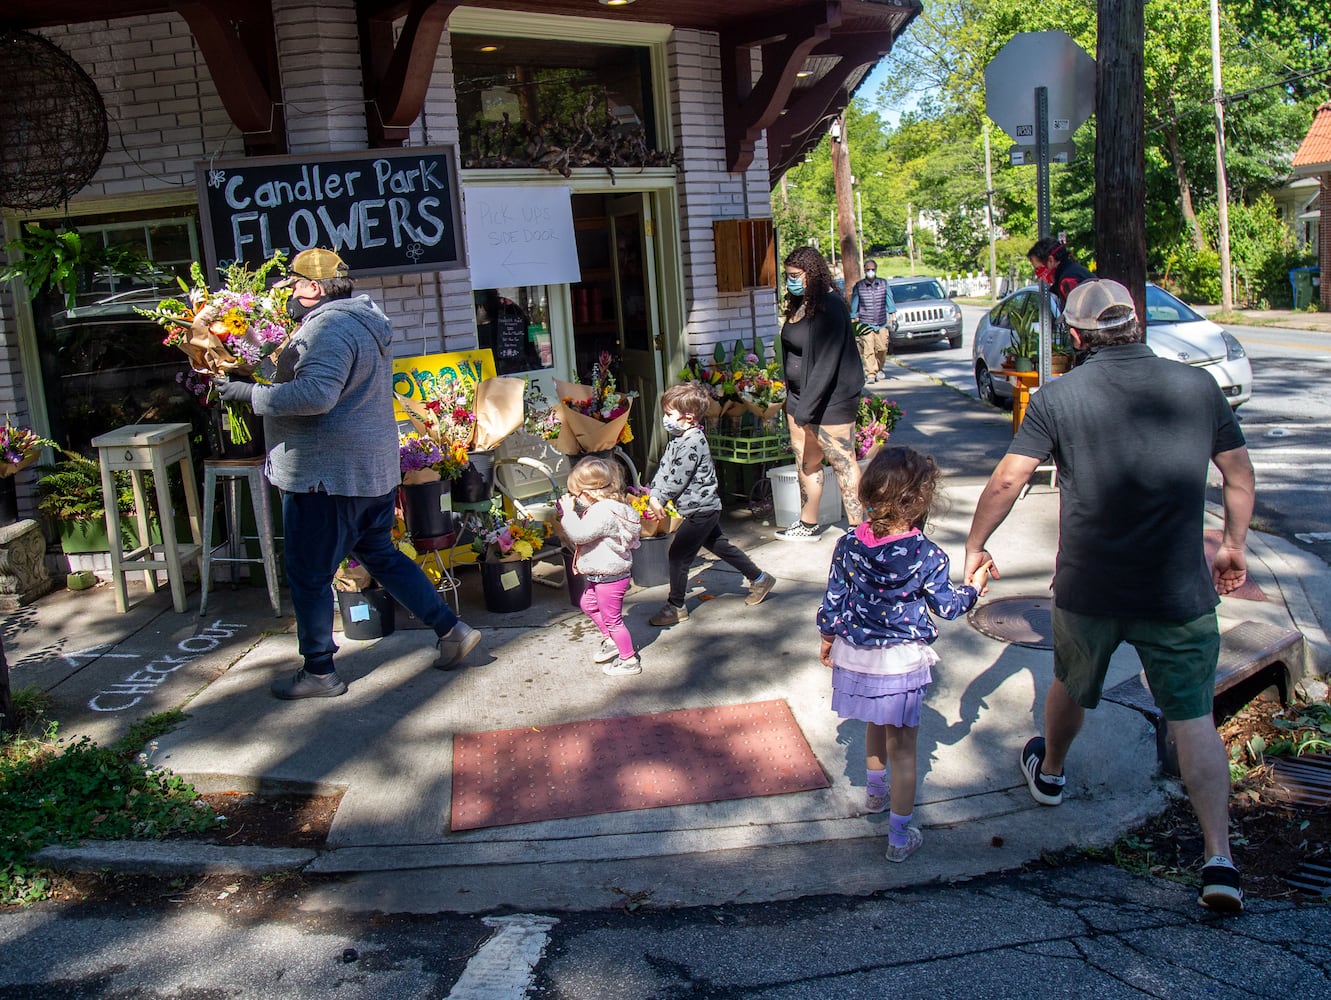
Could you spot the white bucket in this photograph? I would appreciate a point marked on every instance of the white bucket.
(786, 496)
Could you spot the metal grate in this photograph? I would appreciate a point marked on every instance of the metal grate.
(1302, 781)
(1022, 621)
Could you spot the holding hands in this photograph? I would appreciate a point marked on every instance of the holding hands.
(979, 568)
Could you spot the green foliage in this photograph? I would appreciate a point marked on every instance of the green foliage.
(60, 793)
(47, 260)
(31, 706)
(72, 488)
(1193, 272)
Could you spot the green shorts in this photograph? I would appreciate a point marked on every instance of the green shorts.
(1179, 658)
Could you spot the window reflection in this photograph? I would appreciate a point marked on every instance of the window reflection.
(514, 323)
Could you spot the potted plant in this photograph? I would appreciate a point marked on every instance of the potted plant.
(48, 260)
(504, 547)
(1024, 345)
(19, 448)
(70, 493)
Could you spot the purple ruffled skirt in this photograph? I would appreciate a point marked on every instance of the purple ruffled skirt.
(885, 700)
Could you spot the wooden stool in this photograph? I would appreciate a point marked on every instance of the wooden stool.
(154, 448)
(236, 471)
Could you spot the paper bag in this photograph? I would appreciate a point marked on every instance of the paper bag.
(352, 578)
(580, 433)
(499, 411)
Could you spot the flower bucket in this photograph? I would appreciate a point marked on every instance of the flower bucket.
(506, 586)
(366, 614)
(651, 561)
(477, 482)
(575, 582)
(8, 501)
(426, 509)
(219, 439)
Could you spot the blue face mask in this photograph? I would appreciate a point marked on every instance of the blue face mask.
(673, 427)
(795, 286)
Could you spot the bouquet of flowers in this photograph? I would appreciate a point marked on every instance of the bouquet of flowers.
(352, 577)
(500, 538)
(471, 416)
(593, 417)
(541, 416)
(639, 498)
(229, 332)
(425, 460)
(873, 425)
(763, 392)
(19, 448)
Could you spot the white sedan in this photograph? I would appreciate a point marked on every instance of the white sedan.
(1173, 330)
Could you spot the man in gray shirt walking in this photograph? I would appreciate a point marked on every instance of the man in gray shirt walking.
(333, 452)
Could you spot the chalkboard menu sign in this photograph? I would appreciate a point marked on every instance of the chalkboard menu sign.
(383, 211)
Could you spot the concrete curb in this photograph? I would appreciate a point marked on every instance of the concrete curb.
(153, 857)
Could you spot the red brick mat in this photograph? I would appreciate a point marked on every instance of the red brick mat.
(641, 762)
(1248, 591)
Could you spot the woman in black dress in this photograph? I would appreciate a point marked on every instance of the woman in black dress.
(824, 381)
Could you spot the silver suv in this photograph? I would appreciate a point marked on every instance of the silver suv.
(924, 312)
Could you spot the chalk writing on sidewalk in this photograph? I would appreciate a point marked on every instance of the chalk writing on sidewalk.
(129, 692)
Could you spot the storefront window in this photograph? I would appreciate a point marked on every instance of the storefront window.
(514, 324)
(529, 102)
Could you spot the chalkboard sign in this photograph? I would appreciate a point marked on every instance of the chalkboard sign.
(512, 339)
(383, 211)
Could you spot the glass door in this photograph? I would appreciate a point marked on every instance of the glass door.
(638, 317)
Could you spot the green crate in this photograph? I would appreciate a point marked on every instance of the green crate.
(753, 449)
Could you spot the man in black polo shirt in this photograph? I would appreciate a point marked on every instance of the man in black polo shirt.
(1133, 435)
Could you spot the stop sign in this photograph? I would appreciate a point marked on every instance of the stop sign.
(1049, 59)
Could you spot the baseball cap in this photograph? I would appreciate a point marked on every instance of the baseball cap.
(315, 264)
(1099, 305)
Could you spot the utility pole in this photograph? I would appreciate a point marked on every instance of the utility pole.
(1221, 180)
(910, 236)
(989, 210)
(845, 203)
(859, 217)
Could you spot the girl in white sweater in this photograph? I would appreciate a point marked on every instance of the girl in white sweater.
(604, 531)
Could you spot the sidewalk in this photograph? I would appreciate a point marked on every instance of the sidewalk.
(388, 742)
(1289, 319)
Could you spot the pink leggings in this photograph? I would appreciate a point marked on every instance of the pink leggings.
(604, 604)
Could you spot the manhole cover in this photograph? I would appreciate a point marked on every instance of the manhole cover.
(1022, 621)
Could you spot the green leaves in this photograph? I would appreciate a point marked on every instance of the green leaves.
(47, 260)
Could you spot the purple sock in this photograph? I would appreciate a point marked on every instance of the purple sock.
(876, 781)
(896, 829)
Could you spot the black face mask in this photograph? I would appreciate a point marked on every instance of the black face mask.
(298, 310)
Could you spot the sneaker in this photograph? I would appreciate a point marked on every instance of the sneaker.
(875, 803)
(760, 588)
(1046, 789)
(669, 615)
(1220, 889)
(608, 651)
(304, 684)
(455, 645)
(914, 838)
(622, 667)
(800, 532)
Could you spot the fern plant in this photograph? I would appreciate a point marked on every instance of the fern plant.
(45, 259)
(71, 489)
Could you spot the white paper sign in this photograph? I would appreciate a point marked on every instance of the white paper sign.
(520, 236)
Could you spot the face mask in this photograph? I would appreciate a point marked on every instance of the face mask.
(795, 286)
(297, 309)
(673, 427)
(870, 274)
(1045, 274)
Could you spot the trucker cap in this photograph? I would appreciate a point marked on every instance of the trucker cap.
(1099, 305)
(315, 264)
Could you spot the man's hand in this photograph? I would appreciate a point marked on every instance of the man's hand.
(825, 651)
(236, 392)
(979, 568)
(1229, 569)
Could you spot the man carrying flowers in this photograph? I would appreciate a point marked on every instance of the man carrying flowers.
(333, 452)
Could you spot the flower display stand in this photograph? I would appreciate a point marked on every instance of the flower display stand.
(740, 452)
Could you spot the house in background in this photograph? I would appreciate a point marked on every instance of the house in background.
(662, 125)
(1314, 160)
(1298, 205)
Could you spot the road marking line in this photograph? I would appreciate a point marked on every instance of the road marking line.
(504, 967)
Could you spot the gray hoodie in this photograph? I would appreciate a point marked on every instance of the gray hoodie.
(328, 419)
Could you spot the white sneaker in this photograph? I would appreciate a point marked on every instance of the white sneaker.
(622, 667)
(800, 532)
(608, 651)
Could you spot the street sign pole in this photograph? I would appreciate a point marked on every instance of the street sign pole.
(1042, 213)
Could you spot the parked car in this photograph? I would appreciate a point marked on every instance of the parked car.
(1173, 330)
(925, 312)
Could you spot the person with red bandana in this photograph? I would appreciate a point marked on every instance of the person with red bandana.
(1056, 267)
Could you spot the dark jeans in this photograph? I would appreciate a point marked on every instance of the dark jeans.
(320, 530)
(702, 531)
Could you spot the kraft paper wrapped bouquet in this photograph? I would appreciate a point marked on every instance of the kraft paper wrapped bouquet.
(593, 417)
(639, 499)
(19, 448)
(458, 417)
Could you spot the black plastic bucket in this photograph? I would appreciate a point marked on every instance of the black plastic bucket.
(426, 510)
(651, 561)
(477, 482)
(366, 614)
(506, 585)
(575, 582)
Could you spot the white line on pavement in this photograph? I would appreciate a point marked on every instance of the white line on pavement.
(504, 967)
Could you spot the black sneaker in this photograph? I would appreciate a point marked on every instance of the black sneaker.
(1221, 887)
(1046, 789)
(800, 532)
(304, 684)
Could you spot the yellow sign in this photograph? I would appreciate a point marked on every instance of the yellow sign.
(415, 377)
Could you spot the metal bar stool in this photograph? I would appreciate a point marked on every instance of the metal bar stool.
(433, 549)
(235, 471)
(154, 448)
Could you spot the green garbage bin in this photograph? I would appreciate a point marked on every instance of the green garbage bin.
(1301, 280)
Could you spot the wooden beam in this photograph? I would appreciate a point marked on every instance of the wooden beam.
(750, 107)
(397, 75)
(238, 43)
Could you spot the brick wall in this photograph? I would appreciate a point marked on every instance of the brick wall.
(708, 192)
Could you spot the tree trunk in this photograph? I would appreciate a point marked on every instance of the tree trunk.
(1184, 188)
(845, 207)
(1120, 147)
(8, 724)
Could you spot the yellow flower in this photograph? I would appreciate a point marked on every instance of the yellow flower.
(235, 323)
